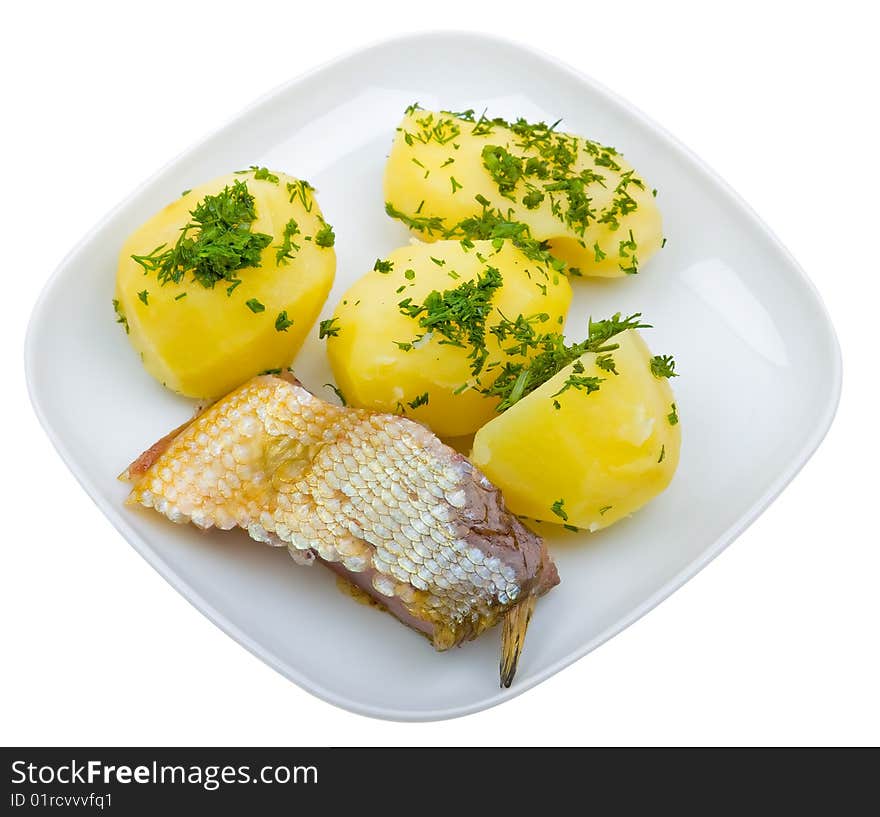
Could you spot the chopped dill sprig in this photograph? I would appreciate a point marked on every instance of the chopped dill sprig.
(282, 322)
(120, 315)
(325, 237)
(430, 225)
(420, 400)
(549, 354)
(215, 244)
(459, 315)
(328, 329)
(663, 366)
(302, 190)
(287, 247)
(558, 509)
(255, 306)
(260, 174)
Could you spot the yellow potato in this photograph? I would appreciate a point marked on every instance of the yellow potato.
(595, 459)
(579, 196)
(370, 327)
(202, 330)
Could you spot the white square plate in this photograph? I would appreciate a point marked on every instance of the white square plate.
(759, 384)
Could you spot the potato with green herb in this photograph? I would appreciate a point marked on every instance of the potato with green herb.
(226, 281)
(427, 331)
(593, 433)
(459, 175)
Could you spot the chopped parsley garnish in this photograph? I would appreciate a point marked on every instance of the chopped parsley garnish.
(409, 274)
(179, 297)
(604, 509)
(254, 305)
(383, 266)
(559, 510)
(215, 244)
(287, 248)
(421, 400)
(663, 366)
(662, 454)
(327, 329)
(282, 322)
(325, 237)
(144, 297)
(672, 417)
(186, 192)
(459, 315)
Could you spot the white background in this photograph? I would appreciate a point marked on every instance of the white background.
(775, 642)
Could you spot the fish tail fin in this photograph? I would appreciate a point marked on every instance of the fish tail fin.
(513, 635)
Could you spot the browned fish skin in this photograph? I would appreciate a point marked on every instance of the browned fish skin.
(376, 497)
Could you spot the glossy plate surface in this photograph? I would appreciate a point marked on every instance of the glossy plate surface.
(759, 384)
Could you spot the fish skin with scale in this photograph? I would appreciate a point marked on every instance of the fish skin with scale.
(377, 498)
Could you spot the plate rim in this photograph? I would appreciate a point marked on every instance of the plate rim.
(807, 448)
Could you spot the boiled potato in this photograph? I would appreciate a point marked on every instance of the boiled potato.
(568, 455)
(579, 196)
(236, 292)
(388, 356)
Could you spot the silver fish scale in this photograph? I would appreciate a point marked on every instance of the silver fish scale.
(375, 492)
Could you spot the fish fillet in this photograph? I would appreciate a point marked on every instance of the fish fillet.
(375, 497)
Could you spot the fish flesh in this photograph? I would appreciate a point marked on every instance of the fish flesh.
(377, 498)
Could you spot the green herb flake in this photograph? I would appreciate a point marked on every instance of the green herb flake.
(301, 190)
(120, 315)
(325, 237)
(383, 266)
(328, 329)
(287, 248)
(429, 225)
(559, 510)
(421, 400)
(282, 322)
(604, 509)
(456, 185)
(663, 366)
(144, 297)
(254, 305)
(179, 297)
(260, 174)
(672, 417)
(662, 454)
(409, 274)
